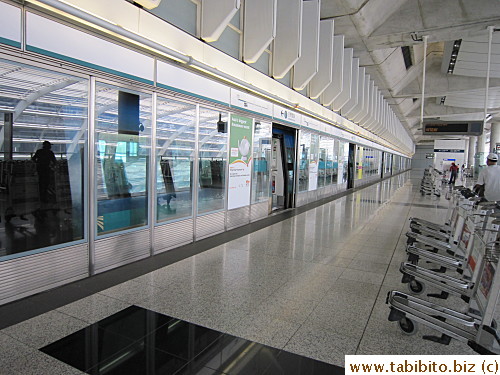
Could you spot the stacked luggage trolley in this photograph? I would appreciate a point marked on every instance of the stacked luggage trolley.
(431, 182)
(457, 258)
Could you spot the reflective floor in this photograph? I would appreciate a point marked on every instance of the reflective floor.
(313, 284)
(139, 341)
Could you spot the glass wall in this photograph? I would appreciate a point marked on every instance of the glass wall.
(360, 157)
(304, 155)
(327, 164)
(122, 139)
(343, 161)
(313, 162)
(212, 144)
(322, 161)
(261, 188)
(175, 151)
(387, 163)
(43, 144)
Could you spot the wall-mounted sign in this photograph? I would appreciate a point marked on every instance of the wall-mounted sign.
(452, 128)
(240, 161)
(448, 150)
(281, 113)
(251, 103)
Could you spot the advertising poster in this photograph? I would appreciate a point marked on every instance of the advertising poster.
(487, 279)
(240, 161)
(313, 175)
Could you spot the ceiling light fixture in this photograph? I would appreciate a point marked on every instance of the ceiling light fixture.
(454, 55)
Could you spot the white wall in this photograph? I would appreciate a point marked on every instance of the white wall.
(419, 160)
(447, 151)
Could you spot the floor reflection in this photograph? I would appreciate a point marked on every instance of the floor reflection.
(140, 341)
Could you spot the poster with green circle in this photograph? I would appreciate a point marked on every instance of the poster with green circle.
(240, 161)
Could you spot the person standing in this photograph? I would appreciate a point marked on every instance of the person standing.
(454, 171)
(489, 179)
(45, 162)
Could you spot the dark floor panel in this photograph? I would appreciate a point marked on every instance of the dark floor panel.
(139, 360)
(140, 341)
(89, 347)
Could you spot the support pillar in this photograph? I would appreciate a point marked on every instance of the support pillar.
(472, 152)
(466, 152)
(495, 138)
(481, 153)
(8, 135)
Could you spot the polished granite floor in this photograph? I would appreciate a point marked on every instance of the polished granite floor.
(312, 284)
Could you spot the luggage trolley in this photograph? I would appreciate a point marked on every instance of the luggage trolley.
(478, 330)
(455, 259)
(431, 183)
(445, 231)
(461, 284)
(420, 245)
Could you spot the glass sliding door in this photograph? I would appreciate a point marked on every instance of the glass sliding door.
(334, 157)
(360, 157)
(326, 160)
(122, 141)
(43, 160)
(322, 161)
(343, 162)
(304, 155)
(212, 151)
(175, 151)
(261, 187)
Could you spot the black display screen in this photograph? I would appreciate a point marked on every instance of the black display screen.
(456, 128)
(128, 113)
(462, 127)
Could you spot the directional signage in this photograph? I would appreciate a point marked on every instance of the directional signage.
(452, 128)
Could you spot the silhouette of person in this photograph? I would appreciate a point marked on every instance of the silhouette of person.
(45, 161)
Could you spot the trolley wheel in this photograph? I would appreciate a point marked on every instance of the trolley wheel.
(416, 287)
(407, 326)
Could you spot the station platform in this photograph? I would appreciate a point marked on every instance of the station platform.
(292, 294)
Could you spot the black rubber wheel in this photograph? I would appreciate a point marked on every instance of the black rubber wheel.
(416, 287)
(407, 326)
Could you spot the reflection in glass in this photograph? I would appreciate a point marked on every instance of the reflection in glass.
(343, 161)
(212, 143)
(261, 162)
(360, 157)
(175, 148)
(42, 197)
(327, 169)
(304, 155)
(123, 128)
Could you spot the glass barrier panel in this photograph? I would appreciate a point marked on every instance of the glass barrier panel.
(261, 188)
(43, 160)
(212, 144)
(122, 137)
(304, 156)
(175, 150)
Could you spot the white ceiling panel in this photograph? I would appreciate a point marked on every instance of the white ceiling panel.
(474, 99)
(345, 95)
(287, 43)
(259, 28)
(307, 65)
(324, 76)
